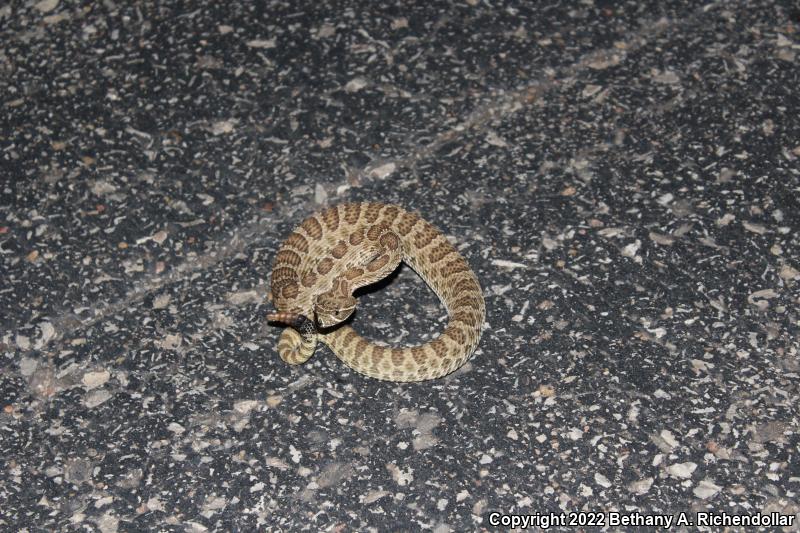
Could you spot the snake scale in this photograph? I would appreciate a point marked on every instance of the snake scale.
(348, 246)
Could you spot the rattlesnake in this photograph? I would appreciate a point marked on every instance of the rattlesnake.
(336, 251)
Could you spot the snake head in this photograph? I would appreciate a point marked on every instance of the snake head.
(331, 309)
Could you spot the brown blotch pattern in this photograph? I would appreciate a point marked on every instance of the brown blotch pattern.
(466, 301)
(464, 316)
(389, 240)
(378, 352)
(331, 218)
(297, 241)
(362, 345)
(309, 279)
(439, 252)
(341, 287)
(287, 256)
(418, 353)
(424, 236)
(356, 237)
(390, 213)
(372, 213)
(354, 273)
(465, 285)
(312, 227)
(324, 266)
(352, 212)
(407, 221)
(290, 290)
(281, 273)
(349, 338)
(339, 250)
(397, 358)
(439, 348)
(374, 233)
(457, 335)
(378, 263)
(453, 267)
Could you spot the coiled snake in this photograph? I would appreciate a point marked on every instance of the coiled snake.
(336, 251)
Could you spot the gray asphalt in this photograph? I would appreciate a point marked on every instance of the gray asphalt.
(623, 177)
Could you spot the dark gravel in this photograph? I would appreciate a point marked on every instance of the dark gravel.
(623, 177)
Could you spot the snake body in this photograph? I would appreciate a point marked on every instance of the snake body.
(336, 251)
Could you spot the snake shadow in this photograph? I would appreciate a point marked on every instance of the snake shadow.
(381, 283)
